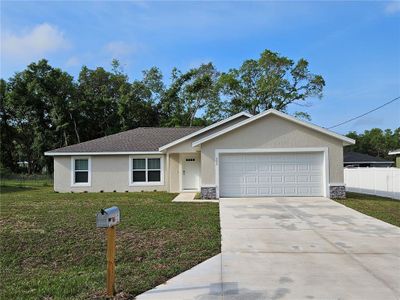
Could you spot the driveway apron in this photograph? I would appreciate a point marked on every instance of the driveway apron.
(306, 248)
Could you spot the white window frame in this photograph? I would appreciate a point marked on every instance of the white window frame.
(78, 184)
(146, 183)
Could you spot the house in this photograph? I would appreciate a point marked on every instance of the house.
(355, 159)
(397, 154)
(269, 154)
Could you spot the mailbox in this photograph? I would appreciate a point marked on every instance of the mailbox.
(108, 217)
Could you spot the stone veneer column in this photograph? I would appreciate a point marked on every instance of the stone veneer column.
(337, 191)
(208, 192)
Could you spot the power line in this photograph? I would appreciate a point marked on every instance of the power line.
(364, 114)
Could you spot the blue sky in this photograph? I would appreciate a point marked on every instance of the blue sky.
(354, 45)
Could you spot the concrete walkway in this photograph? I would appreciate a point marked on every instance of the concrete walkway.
(184, 197)
(294, 248)
(189, 197)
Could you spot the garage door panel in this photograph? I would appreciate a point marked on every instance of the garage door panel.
(276, 167)
(264, 191)
(276, 179)
(290, 178)
(303, 191)
(290, 167)
(277, 190)
(251, 180)
(264, 179)
(273, 174)
(250, 167)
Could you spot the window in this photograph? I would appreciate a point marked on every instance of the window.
(80, 171)
(146, 171)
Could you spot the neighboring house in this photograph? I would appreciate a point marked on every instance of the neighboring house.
(269, 154)
(355, 159)
(397, 153)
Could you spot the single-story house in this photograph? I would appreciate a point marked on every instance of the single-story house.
(355, 159)
(269, 154)
(397, 154)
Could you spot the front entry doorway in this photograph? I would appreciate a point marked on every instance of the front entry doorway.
(190, 172)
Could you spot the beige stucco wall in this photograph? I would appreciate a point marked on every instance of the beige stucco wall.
(174, 173)
(109, 173)
(272, 132)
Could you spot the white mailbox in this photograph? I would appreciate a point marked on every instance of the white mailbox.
(108, 217)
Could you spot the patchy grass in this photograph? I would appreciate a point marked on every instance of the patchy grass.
(51, 249)
(382, 208)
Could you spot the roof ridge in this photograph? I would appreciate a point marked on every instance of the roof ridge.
(176, 127)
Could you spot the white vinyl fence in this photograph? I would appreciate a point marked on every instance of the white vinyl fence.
(375, 181)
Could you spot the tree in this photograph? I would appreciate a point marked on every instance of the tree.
(135, 107)
(375, 142)
(8, 157)
(38, 100)
(190, 93)
(272, 81)
(99, 93)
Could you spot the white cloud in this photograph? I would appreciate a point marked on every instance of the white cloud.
(118, 49)
(32, 44)
(392, 7)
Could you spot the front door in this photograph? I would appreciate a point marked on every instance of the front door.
(190, 172)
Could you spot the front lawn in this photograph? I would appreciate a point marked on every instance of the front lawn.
(382, 208)
(51, 249)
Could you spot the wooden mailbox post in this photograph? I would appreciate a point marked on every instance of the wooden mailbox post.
(109, 218)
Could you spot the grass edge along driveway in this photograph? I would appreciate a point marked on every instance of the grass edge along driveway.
(51, 249)
(382, 208)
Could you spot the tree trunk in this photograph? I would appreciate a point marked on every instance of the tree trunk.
(75, 129)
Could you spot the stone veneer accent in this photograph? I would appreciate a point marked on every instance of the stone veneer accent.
(208, 192)
(337, 191)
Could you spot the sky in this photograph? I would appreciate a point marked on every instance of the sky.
(354, 45)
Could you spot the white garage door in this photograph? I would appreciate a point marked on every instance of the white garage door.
(271, 174)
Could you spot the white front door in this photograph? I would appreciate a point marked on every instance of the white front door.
(190, 171)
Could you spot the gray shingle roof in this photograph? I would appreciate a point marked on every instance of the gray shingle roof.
(135, 140)
(351, 157)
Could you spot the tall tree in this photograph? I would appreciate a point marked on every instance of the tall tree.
(190, 93)
(8, 157)
(39, 98)
(99, 92)
(272, 81)
(136, 108)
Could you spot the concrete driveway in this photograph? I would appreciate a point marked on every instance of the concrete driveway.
(294, 248)
(306, 248)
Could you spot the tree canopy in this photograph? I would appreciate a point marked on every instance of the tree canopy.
(43, 107)
(272, 81)
(375, 142)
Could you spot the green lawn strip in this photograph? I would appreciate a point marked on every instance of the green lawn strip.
(51, 248)
(385, 209)
(26, 182)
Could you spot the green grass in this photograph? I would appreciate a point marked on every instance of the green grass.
(24, 182)
(51, 248)
(382, 208)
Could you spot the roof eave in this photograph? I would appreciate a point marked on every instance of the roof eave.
(205, 129)
(100, 153)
